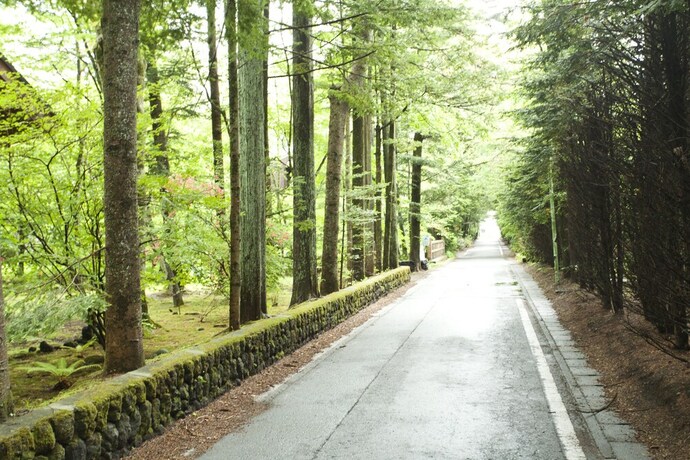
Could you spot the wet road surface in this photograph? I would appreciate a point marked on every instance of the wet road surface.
(452, 370)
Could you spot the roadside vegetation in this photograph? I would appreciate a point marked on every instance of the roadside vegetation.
(183, 169)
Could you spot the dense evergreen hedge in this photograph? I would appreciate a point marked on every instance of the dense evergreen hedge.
(105, 422)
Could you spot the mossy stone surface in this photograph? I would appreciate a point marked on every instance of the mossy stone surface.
(58, 453)
(44, 437)
(85, 419)
(63, 426)
(75, 450)
(20, 445)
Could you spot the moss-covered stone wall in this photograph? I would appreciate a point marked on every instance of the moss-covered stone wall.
(106, 421)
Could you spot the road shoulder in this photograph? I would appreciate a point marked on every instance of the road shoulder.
(591, 409)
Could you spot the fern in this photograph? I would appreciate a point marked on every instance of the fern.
(60, 370)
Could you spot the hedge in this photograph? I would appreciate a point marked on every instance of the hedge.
(106, 421)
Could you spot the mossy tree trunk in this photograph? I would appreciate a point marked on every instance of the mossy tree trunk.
(235, 233)
(415, 201)
(336, 134)
(252, 162)
(304, 276)
(124, 343)
(5, 389)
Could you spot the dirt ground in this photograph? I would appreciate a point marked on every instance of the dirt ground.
(651, 390)
(192, 436)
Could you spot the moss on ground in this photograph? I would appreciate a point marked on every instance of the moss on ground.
(203, 317)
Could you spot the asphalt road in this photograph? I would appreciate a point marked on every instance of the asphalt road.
(453, 370)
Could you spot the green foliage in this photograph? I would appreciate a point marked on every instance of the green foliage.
(425, 72)
(60, 370)
(38, 314)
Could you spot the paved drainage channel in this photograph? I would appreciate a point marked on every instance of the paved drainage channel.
(613, 438)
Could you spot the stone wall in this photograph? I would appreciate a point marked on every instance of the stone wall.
(108, 420)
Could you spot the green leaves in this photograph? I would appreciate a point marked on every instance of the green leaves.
(60, 370)
(39, 312)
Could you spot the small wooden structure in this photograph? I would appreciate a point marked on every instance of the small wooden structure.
(436, 250)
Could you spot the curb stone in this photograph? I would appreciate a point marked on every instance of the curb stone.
(614, 438)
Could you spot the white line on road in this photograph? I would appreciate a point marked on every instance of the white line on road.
(564, 427)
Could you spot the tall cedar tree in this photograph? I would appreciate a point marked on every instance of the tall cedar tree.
(252, 162)
(235, 234)
(5, 390)
(304, 275)
(415, 201)
(361, 164)
(336, 135)
(124, 349)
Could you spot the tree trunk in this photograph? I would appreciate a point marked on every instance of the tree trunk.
(378, 227)
(346, 247)
(235, 232)
(123, 343)
(358, 172)
(416, 201)
(304, 276)
(216, 111)
(161, 167)
(369, 248)
(336, 134)
(347, 201)
(6, 406)
(390, 237)
(252, 167)
(143, 195)
(267, 159)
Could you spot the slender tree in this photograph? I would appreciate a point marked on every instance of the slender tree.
(304, 276)
(216, 110)
(358, 203)
(390, 237)
(161, 168)
(369, 206)
(124, 342)
(416, 201)
(5, 389)
(336, 135)
(378, 205)
(267, 153)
